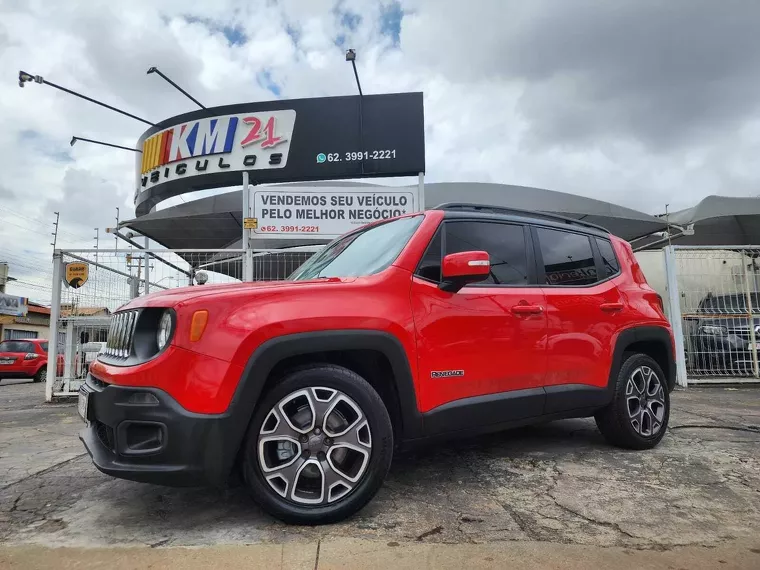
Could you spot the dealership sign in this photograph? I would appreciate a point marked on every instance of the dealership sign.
(327, 212)
(14, 306)
(250, 141)
(326, 138)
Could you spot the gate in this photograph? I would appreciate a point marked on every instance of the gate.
(80, 316)
(715, 312)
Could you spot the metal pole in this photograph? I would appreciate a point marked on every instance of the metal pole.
(75, 139)
(24, 77)
(674, 312)
(752, 337)
(147, 268)
(246, 233)
(55, 314)
(177, 87)
(421, 185)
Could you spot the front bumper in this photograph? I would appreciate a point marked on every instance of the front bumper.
(143, 434)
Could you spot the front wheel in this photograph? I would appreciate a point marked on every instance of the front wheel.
(638, 415)
(319, 446)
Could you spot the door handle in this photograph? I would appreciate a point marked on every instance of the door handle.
(527, 309)
(611, 307)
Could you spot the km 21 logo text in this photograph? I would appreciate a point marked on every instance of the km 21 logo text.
(246, 141)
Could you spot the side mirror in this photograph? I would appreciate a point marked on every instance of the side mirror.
(460, 269)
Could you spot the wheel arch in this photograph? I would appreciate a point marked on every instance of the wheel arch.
(348, 348)
(653, 341)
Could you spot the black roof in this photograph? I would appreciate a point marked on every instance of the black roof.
(462, 209)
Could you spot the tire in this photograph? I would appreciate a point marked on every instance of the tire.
(637, 419)
(321, 494)
(40, 375)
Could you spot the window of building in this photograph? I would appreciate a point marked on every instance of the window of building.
(15, 334)
(568, 258)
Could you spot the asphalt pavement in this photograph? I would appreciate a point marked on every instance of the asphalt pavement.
(555, 495)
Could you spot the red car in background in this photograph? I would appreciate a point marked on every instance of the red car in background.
(25, 358)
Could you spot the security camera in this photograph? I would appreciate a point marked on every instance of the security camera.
(130, 235)
(201, 277)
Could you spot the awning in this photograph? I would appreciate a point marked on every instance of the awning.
(215, 222)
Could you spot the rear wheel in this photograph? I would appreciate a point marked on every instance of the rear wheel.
(319, 446)
(41, 373)
(638, 415)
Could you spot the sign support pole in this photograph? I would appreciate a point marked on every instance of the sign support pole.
(147, 267)
(421, 193)
(247, 274)
(55, 314)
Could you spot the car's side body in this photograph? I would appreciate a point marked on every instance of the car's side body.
(486, 357)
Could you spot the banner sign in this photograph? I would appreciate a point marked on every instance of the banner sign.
(325, 138)
(327, 212)
(14, 306)
(76, 274)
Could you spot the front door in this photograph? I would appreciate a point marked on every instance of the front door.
(480, 350)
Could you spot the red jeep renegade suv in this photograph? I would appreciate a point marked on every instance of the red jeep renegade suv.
(462, 320)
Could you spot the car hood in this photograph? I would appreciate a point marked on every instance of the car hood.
(174, 297)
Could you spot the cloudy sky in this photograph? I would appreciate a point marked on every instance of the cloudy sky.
(637, 102)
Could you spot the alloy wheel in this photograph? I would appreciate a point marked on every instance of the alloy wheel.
(645, 399)
(314, 446)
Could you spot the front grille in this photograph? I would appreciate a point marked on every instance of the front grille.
(121, 334)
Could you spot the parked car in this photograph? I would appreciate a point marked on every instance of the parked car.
(25, 358)
(720, 342)
(457, 321)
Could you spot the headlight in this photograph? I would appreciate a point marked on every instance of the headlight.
(164, 330)
(713, 330)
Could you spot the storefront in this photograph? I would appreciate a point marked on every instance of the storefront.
(35, 324)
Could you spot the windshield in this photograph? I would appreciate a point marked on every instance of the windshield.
(362, 253)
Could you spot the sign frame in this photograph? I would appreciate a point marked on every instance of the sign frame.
(321, 208)
(332, 138)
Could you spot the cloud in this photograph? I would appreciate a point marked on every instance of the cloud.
(639, 102)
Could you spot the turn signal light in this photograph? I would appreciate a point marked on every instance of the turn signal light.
(198, 325)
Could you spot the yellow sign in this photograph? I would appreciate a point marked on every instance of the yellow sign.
(76, 274)
(250, 223)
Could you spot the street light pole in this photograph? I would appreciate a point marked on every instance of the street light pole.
(24, 77)
(177, 87)
(351, 56)
(75, 139)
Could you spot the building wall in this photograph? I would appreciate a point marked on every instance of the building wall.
(32, 322)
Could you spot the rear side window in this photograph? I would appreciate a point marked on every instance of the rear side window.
(44, 346)
(16, 346)
(610, 262)
(505, 244)
(568, 258)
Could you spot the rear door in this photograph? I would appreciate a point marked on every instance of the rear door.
(484, 343)
(584, 310)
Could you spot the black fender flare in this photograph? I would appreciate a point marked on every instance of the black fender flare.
(628, 337)
(270, 353)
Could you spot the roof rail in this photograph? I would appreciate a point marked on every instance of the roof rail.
(518, 211)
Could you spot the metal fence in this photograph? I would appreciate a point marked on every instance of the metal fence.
(80, 317)
(715, 311)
